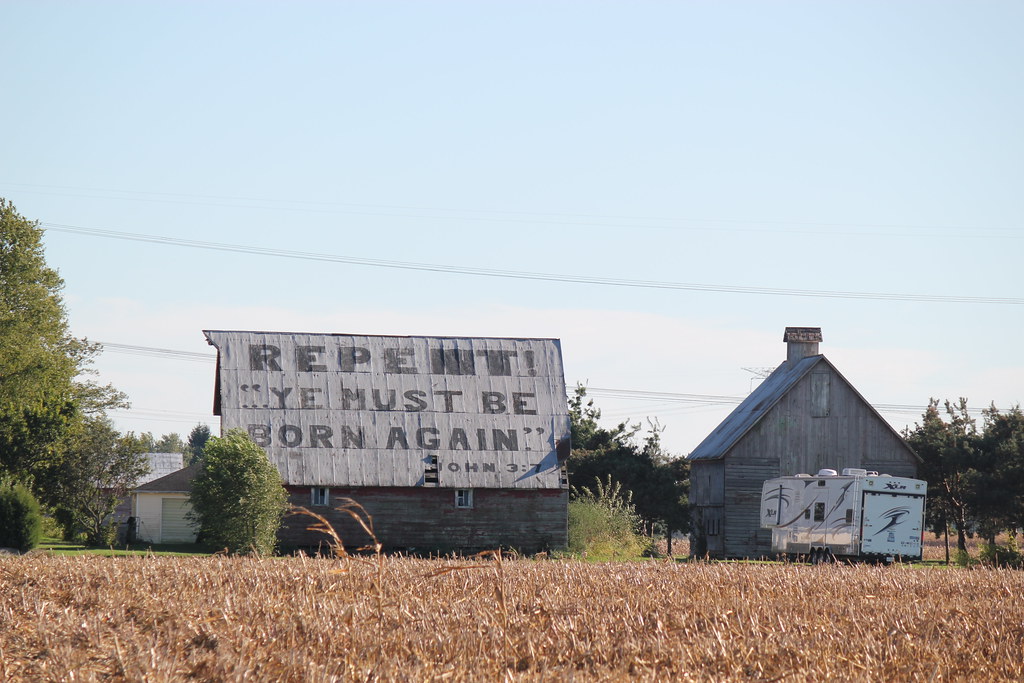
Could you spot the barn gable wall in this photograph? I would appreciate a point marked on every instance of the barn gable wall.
(790, 439)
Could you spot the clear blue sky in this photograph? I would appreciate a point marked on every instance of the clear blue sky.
(866, 148)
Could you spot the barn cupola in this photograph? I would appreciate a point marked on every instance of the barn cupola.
(801, 342)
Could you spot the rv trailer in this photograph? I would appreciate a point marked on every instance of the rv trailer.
(856, 515)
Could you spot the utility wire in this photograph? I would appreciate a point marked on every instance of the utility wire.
(711, 400)
(160, 353)
(523, 275)
(688, 400)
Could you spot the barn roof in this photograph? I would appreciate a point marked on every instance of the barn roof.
(161, 464)
(175, 482)
(748, 413)
(753, 407)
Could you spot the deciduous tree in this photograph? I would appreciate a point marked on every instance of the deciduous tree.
(42, 389)
(238, 497)
(99, 468)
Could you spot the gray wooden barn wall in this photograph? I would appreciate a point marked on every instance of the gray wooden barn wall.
(426, 519)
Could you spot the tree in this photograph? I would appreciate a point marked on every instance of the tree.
(657, 483)
(168, 443)
(197, 439)
(99, 469)
(975, 478)
(40, 398)
(949, 451)
(238, 497)
(1001, 500)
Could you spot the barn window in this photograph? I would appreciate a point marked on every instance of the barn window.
(712, 527)
(463, 498)
(321, 495)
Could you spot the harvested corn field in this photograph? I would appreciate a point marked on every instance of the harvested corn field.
(301, 619)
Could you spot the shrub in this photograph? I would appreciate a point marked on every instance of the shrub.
(603, 523)
(962, 558)
(1008, 555)
(238, 497)
(21, 523)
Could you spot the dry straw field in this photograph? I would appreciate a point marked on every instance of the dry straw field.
(302, 619)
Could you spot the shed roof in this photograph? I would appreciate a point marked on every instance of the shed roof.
(175, 482)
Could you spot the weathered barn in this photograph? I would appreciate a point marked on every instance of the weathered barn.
(448, 443)
(804, 417)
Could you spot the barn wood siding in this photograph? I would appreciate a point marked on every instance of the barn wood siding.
(426, 519)
(788, 440)
(744, 476)
(706, 482)
(706, 497)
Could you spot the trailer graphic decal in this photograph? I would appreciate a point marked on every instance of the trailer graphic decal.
(895, 516)
(842, 497)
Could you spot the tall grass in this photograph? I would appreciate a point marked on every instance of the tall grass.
(302, 619)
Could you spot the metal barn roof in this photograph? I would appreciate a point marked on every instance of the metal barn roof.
(753, 408)
(384, 411)
(161, 464)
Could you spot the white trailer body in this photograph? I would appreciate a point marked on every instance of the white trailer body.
(856, 514)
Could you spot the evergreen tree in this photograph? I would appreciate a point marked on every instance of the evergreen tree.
(1001, 488)
(975, 478)
(949, 454)
(197, 439)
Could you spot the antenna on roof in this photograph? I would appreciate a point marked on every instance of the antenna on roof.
(759, 374)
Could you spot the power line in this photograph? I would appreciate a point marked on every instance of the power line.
(159, 353)
(711, 400)
(687, 400)
(522, 275)
(701, 399)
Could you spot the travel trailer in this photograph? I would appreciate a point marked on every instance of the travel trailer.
(856, 515)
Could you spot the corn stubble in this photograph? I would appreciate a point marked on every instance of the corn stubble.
(492, 617)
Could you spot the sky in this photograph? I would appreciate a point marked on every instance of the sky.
(663, 186)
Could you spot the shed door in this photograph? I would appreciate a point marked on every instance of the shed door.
(174, 526)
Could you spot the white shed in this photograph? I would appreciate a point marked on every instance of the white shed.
(161, 508)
